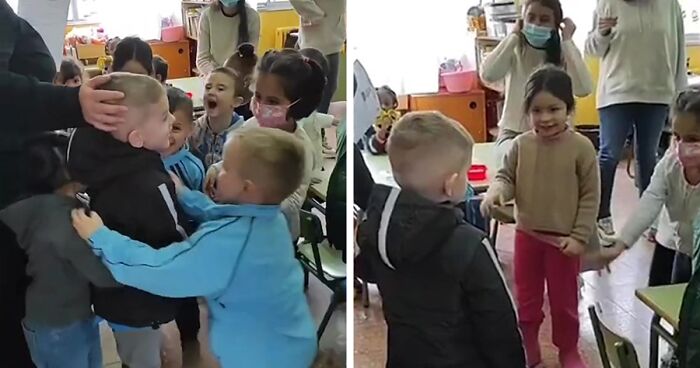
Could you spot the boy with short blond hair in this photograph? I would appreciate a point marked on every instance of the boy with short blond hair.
(128, 185)
(445, 299)
(240, 259)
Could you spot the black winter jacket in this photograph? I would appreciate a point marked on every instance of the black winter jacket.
(445, 299)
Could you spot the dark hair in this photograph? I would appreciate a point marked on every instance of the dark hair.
(388, 91)
(46, 162)
(69, 69)
(160, 67)
(688, 102)
(317, 56)
(553, 47)
(242, 12)
(178, 100)
(550, 79)
(243, 64)
(302, 79)
(133, 48)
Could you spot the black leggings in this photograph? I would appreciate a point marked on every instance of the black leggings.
(669, 267)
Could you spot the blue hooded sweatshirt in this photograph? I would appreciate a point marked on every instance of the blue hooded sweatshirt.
(241, 261)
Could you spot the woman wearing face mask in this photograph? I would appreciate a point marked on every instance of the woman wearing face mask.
(543, 36)
(223, 26)
(641, 46)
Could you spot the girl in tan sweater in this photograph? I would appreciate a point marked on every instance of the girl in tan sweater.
(552, 173)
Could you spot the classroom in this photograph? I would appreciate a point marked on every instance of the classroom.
(110, 157)
(472, 62)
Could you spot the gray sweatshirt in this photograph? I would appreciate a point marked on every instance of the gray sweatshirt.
(60, 264)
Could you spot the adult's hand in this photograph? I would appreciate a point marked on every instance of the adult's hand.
(99, 106)
(568, 28)
(605, 25)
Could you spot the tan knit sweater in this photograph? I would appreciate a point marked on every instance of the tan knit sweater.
(554, 183)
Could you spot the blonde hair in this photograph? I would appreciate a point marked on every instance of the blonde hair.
(139, 90)
(273, 159)
(425, 147)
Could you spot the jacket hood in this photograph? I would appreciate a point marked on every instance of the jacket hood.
(95, 158)
(409, 227)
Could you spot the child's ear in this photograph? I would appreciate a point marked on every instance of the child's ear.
(135, 139)
(238, 101)
(450, 185)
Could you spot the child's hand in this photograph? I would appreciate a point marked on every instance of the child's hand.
(210, 180)
(491, 200)
(177, 181)
(571, 247)
(86, 225)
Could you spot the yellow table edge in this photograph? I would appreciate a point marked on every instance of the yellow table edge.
(664, 300)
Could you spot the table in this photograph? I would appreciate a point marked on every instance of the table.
(320, 190)
(193, 85)
(665, 302)
(483, 154)
(693, 79)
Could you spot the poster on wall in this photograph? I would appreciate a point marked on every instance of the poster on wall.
(366, 106)
(48, 17)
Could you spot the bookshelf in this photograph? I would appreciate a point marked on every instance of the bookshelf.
(190, 16)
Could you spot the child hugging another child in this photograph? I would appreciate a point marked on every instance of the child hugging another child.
(445, 299)
(60, 328)
(240, 258)
(129, 186)
(177, 158)
(219, 120)
(243, 64)
(552, 173)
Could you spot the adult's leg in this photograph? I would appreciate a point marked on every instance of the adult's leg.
(616, 121)
(682, 268)
(139, 348)
(529, 290)
(649, 124)
(661, 265)
(331, 82)
(562, 290)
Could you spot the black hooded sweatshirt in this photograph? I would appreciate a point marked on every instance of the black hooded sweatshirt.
(133, 193)
(444, 296)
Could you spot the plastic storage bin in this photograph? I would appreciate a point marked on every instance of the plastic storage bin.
(477, 173)
(461, 81)
(172, 34)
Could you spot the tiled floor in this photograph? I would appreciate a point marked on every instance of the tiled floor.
(613, 294)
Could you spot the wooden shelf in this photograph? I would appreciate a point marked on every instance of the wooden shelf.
(488, 40)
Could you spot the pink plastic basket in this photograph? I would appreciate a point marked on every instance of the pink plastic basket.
(172, 34)
(461, 81)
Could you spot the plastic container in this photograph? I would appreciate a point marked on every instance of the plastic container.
(477, 173)
(461, 81)
(172, 34)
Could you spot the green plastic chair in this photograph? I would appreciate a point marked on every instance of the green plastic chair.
(322, 260)
(615, 351)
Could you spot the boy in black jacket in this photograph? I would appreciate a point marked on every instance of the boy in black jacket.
(130, 188)
(445, 299)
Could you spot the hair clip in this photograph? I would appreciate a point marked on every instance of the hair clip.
(306, 59)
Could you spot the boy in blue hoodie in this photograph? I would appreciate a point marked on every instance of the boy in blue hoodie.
(240, 259)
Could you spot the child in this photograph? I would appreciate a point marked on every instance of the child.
(288, 88)
(445, 299)
(219, 120)
(672, 189)
(128, 185)
(552, 173)
(59, 325)
(133, 55)
(178, 158)
(382, 127)
(160, 69)
(70, 73)
(544, 36)
(243, 64)
(240, 258)
(314, 124)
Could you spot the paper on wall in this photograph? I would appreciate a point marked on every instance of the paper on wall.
(49, 18)
(366, 102)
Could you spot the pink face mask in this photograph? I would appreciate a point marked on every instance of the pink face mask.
(688, 154)
(270, 116)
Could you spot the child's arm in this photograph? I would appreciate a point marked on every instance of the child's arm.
(499, 62)
(84, 260)
(649, 207)
(577, 69)
(377, 145)
(205, 61)
(195, 204)
(308, 10)
(587, 171)
(492, 311)
(504, 181)
(199, 266)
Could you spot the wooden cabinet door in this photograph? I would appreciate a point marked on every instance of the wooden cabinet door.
(177, 54)
(469, 109)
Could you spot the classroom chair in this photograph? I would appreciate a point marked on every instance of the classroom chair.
(358, 216)
(615, 351)
(320, 259)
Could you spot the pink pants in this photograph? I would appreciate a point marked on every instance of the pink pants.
(537, 261)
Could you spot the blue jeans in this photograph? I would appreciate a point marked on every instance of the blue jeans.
(74, 346)
(647, 121)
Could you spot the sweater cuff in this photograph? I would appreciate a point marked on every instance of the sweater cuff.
(99, 238)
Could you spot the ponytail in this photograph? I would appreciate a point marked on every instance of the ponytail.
(243, 32)
(303, 79)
